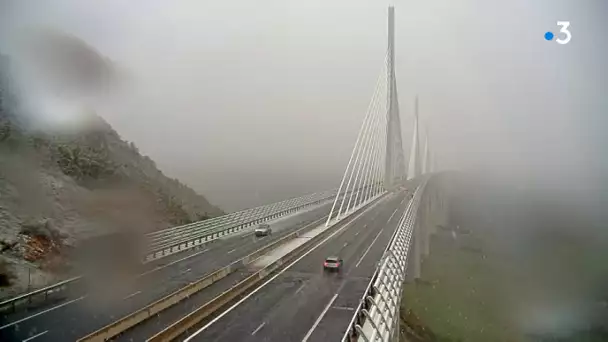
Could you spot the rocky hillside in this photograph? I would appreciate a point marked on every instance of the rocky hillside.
(59, 186)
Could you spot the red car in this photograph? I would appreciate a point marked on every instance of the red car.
(332, 263)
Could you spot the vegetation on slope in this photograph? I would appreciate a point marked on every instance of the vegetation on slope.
(58, 186)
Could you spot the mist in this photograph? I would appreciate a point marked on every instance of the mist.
(254, 102)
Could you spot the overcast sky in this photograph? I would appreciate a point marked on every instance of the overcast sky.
(253, 101)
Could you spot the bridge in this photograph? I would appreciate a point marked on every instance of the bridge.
(214, 280)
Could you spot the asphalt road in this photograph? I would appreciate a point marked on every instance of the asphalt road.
(304, 303)
(76, 316)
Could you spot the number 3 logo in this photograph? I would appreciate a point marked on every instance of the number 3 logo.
(564, 30)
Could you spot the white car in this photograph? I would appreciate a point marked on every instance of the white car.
(263, 230)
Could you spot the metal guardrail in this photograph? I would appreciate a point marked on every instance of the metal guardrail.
(203, 235)
(171, 234)
(377, 315)
(28, 298)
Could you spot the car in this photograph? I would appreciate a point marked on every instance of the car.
(263, 230)
(332, 263)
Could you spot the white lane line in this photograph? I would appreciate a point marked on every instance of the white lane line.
(393, 214)
(33, 337)
(232, 250)
(368, 248)
(186, 271)
(172, 263)
(346, 308)
(41, 313)
(314, 326)
(300, 288)
(132, 295)
(189, 338)
(357, 233)
(258, 328)
(345, 244)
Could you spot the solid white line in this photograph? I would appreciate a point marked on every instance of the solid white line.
(346, 308)
(314, 326)
(189, 338)
(232, 250)
(393, 214)
(368, 248)
(300, 288)
(41, 312)
(258, 328)
(132, 295)
(173, 263)
(33, 337)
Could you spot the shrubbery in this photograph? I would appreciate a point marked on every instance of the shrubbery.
(84, 162)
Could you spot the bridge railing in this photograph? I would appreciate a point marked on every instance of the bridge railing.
(377, 316)
(203, 234)
(245, 217)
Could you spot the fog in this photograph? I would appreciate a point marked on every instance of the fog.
(250, 102)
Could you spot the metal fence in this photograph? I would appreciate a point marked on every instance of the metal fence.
(177, 239)
(377, 315)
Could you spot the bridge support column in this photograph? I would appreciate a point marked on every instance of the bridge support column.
(415, 257)
(425, 218)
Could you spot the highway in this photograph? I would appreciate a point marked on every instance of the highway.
(302, 303)
(77, 316)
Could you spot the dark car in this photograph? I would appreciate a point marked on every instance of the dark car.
(332, 263)
(263, 230)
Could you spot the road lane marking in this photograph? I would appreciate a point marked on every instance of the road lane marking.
(172, 263)
(33, 337)
(314, 326)
(393, 214)
(258, 328)
(232, 250)
(132, 295)
(368, 248)
(189, 338)
(41, 313)
(346, 308)
(77, 299)
(300, 288)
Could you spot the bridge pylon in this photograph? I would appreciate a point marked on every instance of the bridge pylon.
(394, 161)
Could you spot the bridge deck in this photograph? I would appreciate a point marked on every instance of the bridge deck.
(303, 301)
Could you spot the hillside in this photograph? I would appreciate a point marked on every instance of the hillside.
(58, 186)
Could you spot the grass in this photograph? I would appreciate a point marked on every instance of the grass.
(461, 296)
(473, 290)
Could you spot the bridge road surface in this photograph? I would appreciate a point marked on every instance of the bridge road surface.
(75, 317)
(305, 303)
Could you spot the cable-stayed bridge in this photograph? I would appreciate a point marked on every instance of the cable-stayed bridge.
(215, 280)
